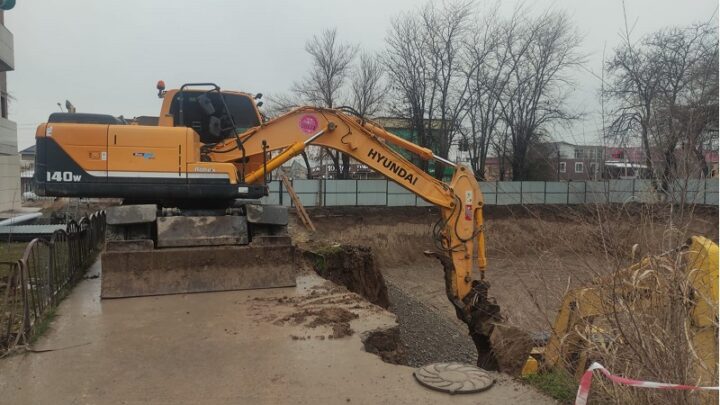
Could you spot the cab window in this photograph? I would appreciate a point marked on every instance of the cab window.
(216, 125)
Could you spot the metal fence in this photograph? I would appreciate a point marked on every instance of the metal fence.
(47, 270)
(329, 193)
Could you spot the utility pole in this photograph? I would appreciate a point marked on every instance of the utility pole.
(557, 166)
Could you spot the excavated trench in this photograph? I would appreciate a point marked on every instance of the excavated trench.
(354, 268)
(423, 335)
(535, 254)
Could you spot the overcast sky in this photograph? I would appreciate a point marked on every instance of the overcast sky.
(106, 56)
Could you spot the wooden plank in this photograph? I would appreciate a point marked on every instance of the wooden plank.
(304, 217)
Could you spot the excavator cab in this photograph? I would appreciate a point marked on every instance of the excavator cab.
(214, 114)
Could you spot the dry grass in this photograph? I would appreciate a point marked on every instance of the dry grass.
(11, 251)
(645, 329)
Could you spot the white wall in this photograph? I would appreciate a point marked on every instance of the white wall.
(9, 182)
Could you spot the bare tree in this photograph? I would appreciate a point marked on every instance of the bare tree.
(501, 147)
(488, 69)
(635, 85)
(367, 86)
(409, 71)
(677, 52)
(281, 103)
(666, 94)
(542, 50)
(425, 63)
(331, 64)
(447, 27)
(701, 119)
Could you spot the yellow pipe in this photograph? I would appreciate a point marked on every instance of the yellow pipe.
(276, 162)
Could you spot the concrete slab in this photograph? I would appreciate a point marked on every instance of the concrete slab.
(267, 214)
(189, 270)
(201, 231)
(129, 245)
(232, 347)
(131, 214)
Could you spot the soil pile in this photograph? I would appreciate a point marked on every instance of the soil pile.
(338, 319)
(387, 344)
(511, 347)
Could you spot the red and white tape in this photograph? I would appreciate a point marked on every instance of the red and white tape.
(584, 389)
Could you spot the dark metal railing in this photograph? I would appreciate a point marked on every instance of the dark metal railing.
(46, 272)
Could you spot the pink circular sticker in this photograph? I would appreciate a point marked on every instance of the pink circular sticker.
(308, 123)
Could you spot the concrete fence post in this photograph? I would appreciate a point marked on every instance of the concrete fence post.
(281, 192)
(567, 193)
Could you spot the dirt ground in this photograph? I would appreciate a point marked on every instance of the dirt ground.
(296, 345)
(535, 254)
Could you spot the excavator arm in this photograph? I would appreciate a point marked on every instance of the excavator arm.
(460, 231)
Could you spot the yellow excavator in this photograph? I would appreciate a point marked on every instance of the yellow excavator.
(584, 312)
(192, 181)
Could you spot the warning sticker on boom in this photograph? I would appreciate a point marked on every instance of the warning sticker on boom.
(308, 123)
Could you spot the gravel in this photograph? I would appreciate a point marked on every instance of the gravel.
(429, 336)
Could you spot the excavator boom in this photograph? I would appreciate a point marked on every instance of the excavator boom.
(460, 200)
(459, 232)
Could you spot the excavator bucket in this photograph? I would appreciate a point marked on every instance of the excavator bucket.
(147, 254)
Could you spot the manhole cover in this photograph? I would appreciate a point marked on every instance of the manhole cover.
(455, 378)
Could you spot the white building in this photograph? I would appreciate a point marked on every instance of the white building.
(9, 158)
